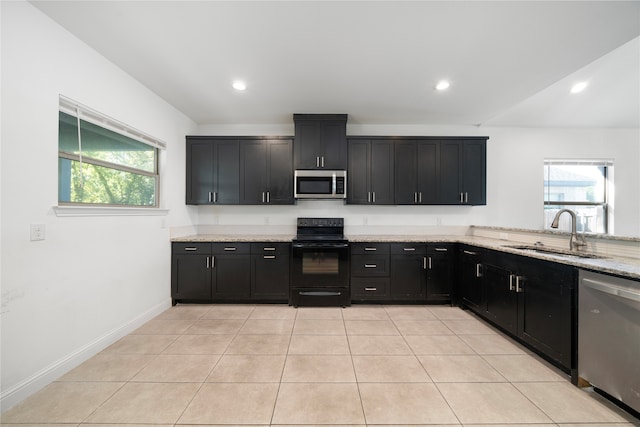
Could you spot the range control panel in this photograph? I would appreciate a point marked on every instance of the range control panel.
(320, 222)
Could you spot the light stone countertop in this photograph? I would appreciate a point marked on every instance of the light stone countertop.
(627, 267)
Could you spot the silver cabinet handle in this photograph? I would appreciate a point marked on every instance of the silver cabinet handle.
(478, 270)
(230, 249)
(263, 197)
(213, 262)
(424, 263)
(368, 196)
(420, 197)
(408, 249)
(208, 263)
(429, 263)
(370, 289)
(370, 249)
(190, 248)
(470, 253)
(441, 249)
(415, 197)
(322, 161)
(269, 257)
(512, 286)
(466, 197)
(370, 266)
(215, 197)
(268, 249)
(519, 288)
(268, 197)
(374, 196)
(210, 197)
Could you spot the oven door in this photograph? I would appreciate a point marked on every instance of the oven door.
(323, 265)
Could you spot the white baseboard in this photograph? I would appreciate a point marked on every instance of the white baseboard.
(42, 378)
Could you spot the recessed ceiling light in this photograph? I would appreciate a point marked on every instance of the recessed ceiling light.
(578, 87)
(443, 85)
(239, 85)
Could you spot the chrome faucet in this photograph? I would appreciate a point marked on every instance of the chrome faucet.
(577, 240)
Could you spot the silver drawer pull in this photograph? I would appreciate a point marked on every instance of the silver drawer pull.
(408, 249)
(370, 289)
(441, 249)
(190, 248)
(370, 249)
(370, 266)
(268, 249)
(269, 257)
(230, 249)
(470, 253)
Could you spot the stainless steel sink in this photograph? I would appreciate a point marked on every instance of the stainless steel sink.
(554, 251)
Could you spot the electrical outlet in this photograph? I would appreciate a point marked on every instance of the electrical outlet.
(37, 232)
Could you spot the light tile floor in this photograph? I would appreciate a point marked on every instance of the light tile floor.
(276, 365)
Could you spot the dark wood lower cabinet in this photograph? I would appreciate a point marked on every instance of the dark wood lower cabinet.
(407, 276)
(233, 272)
(270, 271)
(440, 271)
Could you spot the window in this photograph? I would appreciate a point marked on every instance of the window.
(582, 186)
(104, 162)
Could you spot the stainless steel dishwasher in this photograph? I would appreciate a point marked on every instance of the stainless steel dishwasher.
(609, 335)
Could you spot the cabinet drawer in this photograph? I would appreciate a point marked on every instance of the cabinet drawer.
(191, 248)
(231, 248)
(409, 248)
(270, 248)
(369, 248)
(370, 265)
(373, 288)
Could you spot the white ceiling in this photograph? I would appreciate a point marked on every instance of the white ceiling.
(510, 63)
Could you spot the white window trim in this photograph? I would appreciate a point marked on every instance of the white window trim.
(76, 211)
(76, 109)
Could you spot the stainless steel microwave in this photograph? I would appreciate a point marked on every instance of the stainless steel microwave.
(320, 184)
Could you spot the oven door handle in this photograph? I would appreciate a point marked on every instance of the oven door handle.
(321, 246)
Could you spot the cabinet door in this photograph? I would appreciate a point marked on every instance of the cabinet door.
(407, 277)
(440, 272)
(546, 298)
(190, 277)
(469, 291)
(381, 172)
(200, 179)
(406, 173)
(227, 171)
(270, 276)
(407, 272)
(232, 276)
(253, 172)
(358, 191)
(501, 297)
(334, 145)
(307, 150)
(280, 171)
(428, 172)
(474, 168)
(450, 173)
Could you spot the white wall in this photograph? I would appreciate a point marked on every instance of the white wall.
(515, 158)
(93, 278)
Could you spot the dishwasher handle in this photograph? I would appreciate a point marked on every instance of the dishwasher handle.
(611, 289)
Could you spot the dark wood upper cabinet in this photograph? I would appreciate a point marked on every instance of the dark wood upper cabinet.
(440, 171)
(320, 141)
(212, 171)
(266, 171)
(463, 172)
(370, 176)
(416, 172)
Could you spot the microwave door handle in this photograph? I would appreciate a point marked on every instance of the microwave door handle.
(333, 183)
